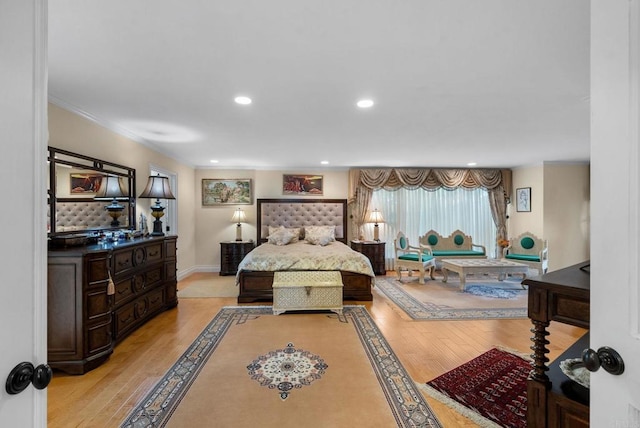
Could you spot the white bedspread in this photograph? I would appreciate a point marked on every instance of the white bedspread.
(304, 256)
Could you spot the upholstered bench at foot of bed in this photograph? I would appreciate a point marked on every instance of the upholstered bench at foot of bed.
(307, 290)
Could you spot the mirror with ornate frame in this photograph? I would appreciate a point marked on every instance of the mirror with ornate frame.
(87, 195)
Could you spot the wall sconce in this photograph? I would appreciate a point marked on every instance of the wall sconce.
(112, 187)
(239, 217)
(376, 217)
(157, 187)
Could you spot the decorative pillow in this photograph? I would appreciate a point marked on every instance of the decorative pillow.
(432, 239)
(320, 235)
(458, 239)
(282, 237)
(297, 232)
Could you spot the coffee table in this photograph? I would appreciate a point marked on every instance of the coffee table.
(463, 267)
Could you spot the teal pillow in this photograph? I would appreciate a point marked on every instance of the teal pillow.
(527, 243)
(403, 242)
(432, 239)
(458, 239)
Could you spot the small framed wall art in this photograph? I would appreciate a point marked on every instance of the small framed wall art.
(523, 199)
(85, 182)
(226, 191)
(301, 184)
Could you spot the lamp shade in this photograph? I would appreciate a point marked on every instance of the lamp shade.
(375, 217)
(239, 216)
(157, 187)
(111, 187)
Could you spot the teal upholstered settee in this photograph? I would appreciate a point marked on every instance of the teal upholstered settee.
(527, 248)
(458, 245)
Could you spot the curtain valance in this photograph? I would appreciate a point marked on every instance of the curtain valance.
(362, 182)
(425, 178)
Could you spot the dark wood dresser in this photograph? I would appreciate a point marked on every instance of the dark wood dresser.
(98, 294)
(231, 254)
(553, 400)
(374, 250)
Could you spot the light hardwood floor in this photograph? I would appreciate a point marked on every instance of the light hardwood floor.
(104, 396)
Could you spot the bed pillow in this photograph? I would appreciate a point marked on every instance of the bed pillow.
(282, 237)
(297, 232)
(320, 235)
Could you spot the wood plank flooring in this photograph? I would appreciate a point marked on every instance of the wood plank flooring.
(104, 396)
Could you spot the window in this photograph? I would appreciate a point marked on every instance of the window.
(415, 212)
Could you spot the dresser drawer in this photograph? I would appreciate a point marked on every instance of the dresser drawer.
(154, 253)
(124, 289)
(97, 303)
(99, 336)
(122, 261)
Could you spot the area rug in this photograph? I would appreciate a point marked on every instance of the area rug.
(250, 368)
(485, 298)
(491, 389)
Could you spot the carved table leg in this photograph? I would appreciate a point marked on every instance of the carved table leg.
(540, 351)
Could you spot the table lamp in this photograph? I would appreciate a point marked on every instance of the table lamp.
(376, 217)
(157, 187)
(112, 187)
(239, 217)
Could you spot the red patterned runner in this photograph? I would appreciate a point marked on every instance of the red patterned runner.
(492, 385)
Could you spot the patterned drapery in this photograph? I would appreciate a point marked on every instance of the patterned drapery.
(362, 182)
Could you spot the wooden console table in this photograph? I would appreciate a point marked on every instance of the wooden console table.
(552, 399)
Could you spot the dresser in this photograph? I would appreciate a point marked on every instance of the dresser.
(99, 294)
(374, 250)
(554, 400)
(231, 254)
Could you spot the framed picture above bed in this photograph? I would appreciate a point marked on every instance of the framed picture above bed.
(302, 184)
(226, 191)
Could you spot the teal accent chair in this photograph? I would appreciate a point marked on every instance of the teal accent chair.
(527, 248)
(412, 258)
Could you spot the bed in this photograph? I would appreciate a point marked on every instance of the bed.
(256, 271)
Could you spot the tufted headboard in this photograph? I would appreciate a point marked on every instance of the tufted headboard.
(300, 213)
(83, 215)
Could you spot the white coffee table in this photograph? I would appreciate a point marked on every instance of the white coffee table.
(501, 267)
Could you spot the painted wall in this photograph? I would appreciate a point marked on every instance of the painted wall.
(532, 177)
(566, 213)
(559, 195)
(72, 132)
(213, 223)
(559, 210)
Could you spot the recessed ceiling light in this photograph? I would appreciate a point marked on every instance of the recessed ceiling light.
(365, 103)
(324, 162)
(214, 161)
(243, 100)
(472, 164)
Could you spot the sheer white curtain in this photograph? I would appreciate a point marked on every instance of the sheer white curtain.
(415, 212)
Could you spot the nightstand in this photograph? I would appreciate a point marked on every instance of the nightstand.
(374, 250)
(231, 254)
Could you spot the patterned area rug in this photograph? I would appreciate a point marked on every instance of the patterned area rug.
(252, 368)
(484, 298)
(490, 389)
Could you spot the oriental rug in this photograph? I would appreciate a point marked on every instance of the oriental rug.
(250, 368)
(491, 389)
(485, 298)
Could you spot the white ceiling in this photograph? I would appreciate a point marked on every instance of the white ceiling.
(503, 83)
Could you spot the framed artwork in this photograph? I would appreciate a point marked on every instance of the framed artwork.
(523, 199)
(231, 191)
(301, 184)
(87, 183)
